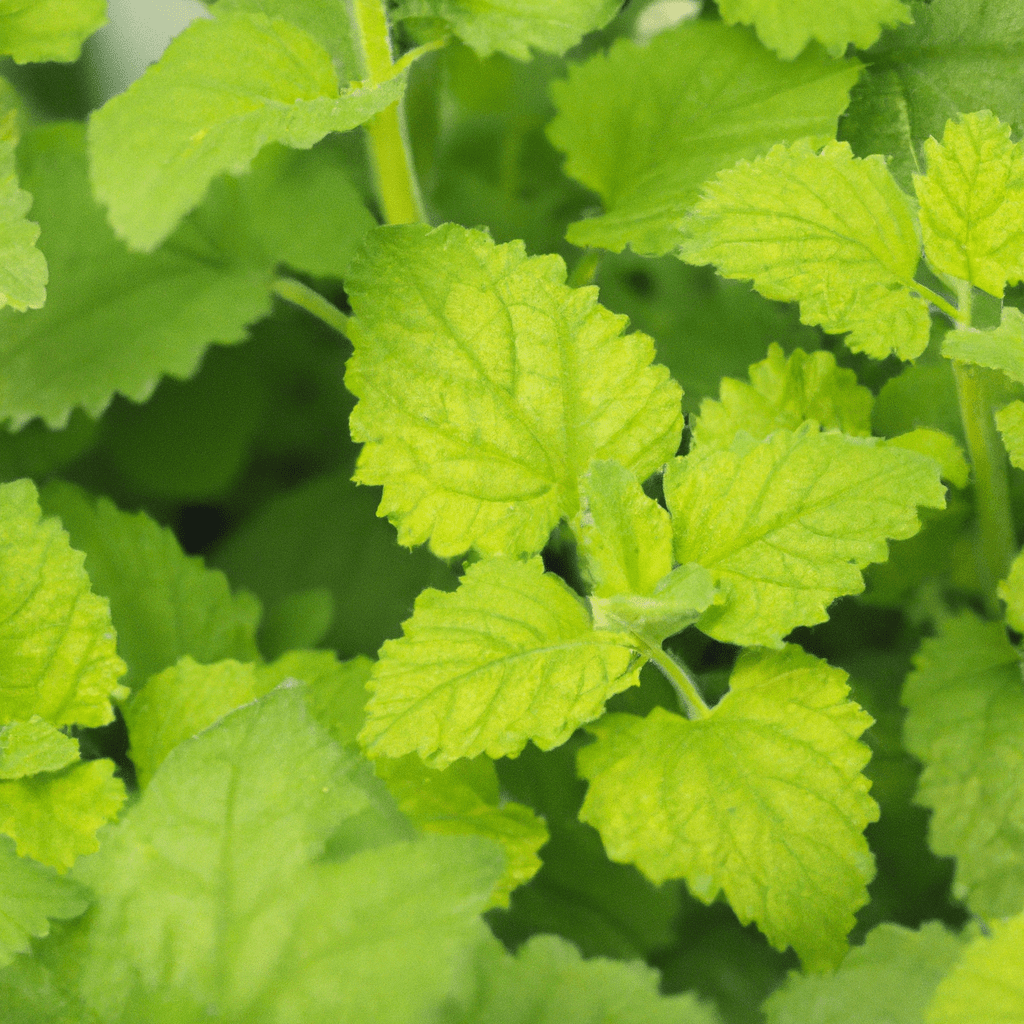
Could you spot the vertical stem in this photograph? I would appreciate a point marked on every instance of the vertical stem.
(390, 153)
(989, 463)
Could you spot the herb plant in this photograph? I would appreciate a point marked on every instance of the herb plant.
(698, 697)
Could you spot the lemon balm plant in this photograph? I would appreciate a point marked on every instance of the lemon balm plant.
(682, 348)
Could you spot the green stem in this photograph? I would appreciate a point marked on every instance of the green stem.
(585, 270)
(938, 301)
(988, 461)
(390, 153)
(312, 302)
(675, 672)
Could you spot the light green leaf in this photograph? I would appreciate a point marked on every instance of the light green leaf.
(784, 393)
(164, 604)
(787, 27)
(987, 984)
(41, 30)
(34, 746)
(965, 722)
(464, 800)
(30, 895)
(941, 447)
(511, 656)
(57, 656)
(223, 906)
(972, 203)
(786, 526)
(1011, 590)
(23, 271)
(958, 55)
(204, 287)
(53, 817)
(645, 126)
(889, 980)
(178, 703)
(1010, 421)
(1000, 348)
(486, 387)
(762, 799)
(495, 26)
(223, 89)
(826, 229)
(548, 982)
(30, 994)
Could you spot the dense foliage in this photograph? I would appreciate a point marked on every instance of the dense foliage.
(507, 515)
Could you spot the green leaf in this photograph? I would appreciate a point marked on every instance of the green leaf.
(223, 89)
(762, 799)
(164, 604)
(204, 287)
(987, 983)
(783, 394)
(57, 656)
(464, 800)
(786, 526)
(958, 55)
(34, 746)
(965, 722)
(222, 906)
(787, 27)
(53, 817)
(826, 229)
(1000, 348)
(511, 656)
(972, 203)
(645, 125)
(41, 30)
(493, 26)
(1010, 421)
(548, 982)
(23, 271)
(30, 995)
(180, 702)
(30, 895)
(888, 980)
(486, 387)
(941, 447)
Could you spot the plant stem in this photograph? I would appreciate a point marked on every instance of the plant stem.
(312, 302)
(585, 270)
(988, 461)
(390, 153)
(675, 672)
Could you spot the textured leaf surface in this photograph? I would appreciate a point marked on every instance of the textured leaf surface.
(34, 746)
(486, 386)
(972, 203)
(509, 657)
(958, 55)
(965, 722)
(212, 899)
(987, 984)
(783, 394)
(889, 980)
(786, 526)
(23, 271)
(31, 895)
(103, 300)
(548, 982)
(57, 651)
(762, 799)
(164, 604)
(465, 800)
(787, 27)
(40, 30)
(645, 126)
(826, 229)
(495, 26)
(1000, 348)
(53, 817)
(223, 89)
(940, 446)
(1010, 421)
